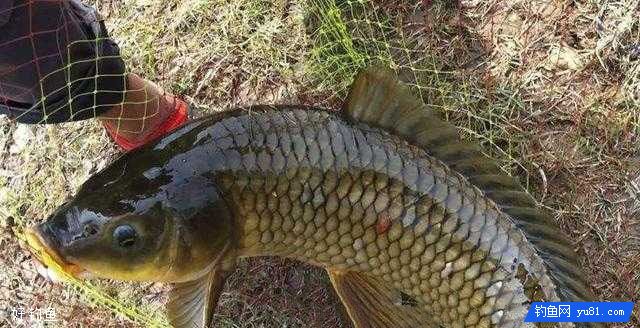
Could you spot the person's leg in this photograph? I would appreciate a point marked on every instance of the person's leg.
(57, 64)
(146, 113)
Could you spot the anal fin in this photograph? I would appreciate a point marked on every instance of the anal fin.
(372, 303)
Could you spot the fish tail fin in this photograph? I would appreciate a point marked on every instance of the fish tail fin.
(379, 99)
(371, 303)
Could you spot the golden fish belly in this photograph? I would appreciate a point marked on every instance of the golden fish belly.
(310, 186)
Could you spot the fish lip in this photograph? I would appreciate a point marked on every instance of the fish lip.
(39, 244)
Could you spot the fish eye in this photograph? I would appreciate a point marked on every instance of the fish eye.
(125, 235)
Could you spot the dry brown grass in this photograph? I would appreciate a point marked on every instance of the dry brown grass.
(576, 63)
(550, 88)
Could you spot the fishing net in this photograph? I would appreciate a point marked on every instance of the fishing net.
(224, 54)
(69, 69)
(58, 64)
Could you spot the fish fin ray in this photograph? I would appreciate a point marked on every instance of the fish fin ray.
(192, 304)
(371, 303)
(377, 98)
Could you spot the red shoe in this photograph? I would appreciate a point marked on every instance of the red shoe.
(174, 121)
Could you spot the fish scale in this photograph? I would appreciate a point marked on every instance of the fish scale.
(448, 246)
(415, 227)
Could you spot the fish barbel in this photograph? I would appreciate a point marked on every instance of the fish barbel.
(415, 227)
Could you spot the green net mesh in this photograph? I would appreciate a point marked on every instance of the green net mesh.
(223, 54)
(350, 35)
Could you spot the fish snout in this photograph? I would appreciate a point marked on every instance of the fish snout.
(44, 246)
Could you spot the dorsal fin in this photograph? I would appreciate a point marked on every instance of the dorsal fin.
(379, 99)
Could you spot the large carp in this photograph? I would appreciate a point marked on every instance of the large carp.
(415, 227)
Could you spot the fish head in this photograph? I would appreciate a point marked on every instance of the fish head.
(123, 246)
(167, 226)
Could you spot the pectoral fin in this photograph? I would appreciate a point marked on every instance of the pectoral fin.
(191, 304)
(371, 303)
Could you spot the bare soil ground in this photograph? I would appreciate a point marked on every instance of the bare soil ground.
(550, 88)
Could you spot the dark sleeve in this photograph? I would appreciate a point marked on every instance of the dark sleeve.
(5, 11)
(57, 63)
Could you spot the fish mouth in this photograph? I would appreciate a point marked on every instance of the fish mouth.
(49, 263)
